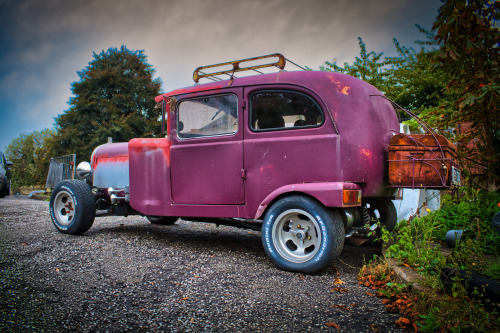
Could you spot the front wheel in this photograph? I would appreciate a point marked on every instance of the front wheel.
(72, 207)
(301, 235)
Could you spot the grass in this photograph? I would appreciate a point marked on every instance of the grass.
(414, 244)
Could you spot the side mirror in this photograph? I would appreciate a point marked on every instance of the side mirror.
(9, 164)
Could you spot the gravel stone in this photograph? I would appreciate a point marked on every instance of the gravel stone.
(127, 275)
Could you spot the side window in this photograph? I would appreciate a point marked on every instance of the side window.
(283, 109)
(208, 116)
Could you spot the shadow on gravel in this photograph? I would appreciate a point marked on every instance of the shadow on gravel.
(215, 239)
(200, 238)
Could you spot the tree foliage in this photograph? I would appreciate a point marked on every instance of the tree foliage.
(30, 154)
(451, 81)
(408, 78)
(369, 67)
(114, 98)
(470, 53)
(413, 82)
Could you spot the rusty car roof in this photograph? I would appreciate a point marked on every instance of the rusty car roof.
(316, 81)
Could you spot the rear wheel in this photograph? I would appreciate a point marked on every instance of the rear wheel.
(164, 220)
(301, 235)
(72, 207)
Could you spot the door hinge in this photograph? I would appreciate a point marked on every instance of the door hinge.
(244, 104)
(243, 173)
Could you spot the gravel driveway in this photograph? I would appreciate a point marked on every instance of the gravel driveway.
(125, 274)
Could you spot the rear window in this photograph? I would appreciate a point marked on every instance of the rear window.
(275, 110)
(208, 116)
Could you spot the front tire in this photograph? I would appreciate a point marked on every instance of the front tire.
(72, 207)
(301, 235)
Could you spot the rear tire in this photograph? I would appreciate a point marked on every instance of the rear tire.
(72, 207)
(5, 191)
(164, 220)
(301, 235)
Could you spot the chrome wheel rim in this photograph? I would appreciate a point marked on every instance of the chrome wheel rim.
(296, 235)
(64, 208)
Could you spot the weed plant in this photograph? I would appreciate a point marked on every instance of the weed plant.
(417, 242)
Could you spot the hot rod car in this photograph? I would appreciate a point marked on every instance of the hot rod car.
(300, 155)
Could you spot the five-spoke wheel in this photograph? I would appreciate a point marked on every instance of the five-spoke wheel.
(301, 235)
(295, 235)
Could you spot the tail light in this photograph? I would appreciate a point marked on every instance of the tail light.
(352, 198)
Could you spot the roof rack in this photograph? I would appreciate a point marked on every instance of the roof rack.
(236, 67)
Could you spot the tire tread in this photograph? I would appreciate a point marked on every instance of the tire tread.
(86, 206)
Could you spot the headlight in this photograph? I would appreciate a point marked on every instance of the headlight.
(83, 170)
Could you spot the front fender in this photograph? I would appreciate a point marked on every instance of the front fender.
(330, 194)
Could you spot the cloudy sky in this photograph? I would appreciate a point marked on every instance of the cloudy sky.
(43, 43)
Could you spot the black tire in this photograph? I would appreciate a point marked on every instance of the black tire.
(385, 212)
(72, 207)
(164, 220)
(301, 235)
(5, 191)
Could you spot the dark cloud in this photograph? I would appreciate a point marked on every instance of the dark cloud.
(44, 43)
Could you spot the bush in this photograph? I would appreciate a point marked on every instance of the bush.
(416, 241)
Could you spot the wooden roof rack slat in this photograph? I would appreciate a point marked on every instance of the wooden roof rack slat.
(198, 74)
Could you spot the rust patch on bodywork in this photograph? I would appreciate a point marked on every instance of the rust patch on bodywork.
(340, 86)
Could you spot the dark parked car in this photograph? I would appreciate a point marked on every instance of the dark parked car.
(4, 176)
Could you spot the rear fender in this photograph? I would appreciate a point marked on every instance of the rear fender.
(330, 194)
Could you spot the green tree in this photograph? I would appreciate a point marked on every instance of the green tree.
(470, 53)
(369, 67)
(413, 81)
(30, 155)
(114, 98)
(409, 78)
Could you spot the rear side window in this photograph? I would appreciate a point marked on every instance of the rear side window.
(274, 110)
(208, 116)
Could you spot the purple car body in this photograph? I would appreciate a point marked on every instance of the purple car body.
(324, 159)
(239, 175)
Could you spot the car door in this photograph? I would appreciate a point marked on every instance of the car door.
(207, 149)
(288, 140)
